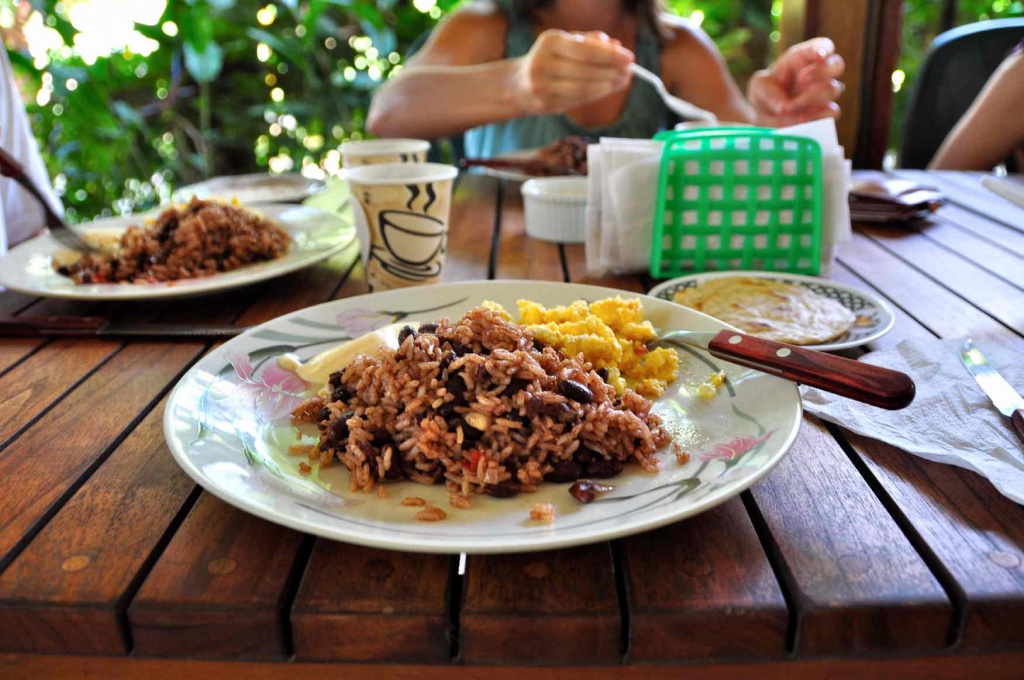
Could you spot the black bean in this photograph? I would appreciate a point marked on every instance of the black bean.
(428, 328)
(446, 410)
(325, 413)
(602, 373)
(405, 333)
(395, 471)
(506, 489)
(575, 391)
(470, 433)
(456, 387)
(603, 468)
(557, 410)
(446, 360)
(515, 386)
(380, 436)
(460, 349)
(565, 471)
(538, 345)
(335, 379)
(341, 394)
(338, 430)
(585, 491)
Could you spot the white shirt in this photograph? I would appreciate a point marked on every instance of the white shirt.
(21, 216)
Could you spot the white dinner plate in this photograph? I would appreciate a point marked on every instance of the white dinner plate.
(875, 317)
(315, 235)
(257, 188)
(227, 423)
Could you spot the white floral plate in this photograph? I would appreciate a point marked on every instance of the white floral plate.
(315, 235)
(227, 424)
(875, 317)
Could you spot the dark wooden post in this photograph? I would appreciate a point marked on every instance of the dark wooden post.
(867, 34)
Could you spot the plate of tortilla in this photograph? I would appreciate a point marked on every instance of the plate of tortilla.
(801, 310)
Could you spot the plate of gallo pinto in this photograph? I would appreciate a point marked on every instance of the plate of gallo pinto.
(482, 417)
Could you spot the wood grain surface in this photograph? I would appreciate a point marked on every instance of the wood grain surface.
(851, 559)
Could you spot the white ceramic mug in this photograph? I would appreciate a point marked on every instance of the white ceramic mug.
(375, 151)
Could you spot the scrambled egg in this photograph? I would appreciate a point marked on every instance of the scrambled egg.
(709, 388)
(611, 334)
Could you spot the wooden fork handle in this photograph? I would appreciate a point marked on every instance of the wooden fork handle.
(856, 380)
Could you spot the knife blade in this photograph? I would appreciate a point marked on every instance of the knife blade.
(1006, 399)
(92, 326)
(863, 382)
(1011, 191)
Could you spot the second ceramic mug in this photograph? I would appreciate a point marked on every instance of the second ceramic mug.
(375, 151)
(403, 214)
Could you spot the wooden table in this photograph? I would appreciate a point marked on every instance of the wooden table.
(850, 559)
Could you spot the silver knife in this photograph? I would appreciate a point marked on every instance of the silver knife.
(1002, 394)
(1011, 191)
(92, 326)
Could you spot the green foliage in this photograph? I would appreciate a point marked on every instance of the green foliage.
(240, 86)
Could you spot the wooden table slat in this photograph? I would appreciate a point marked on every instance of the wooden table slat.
(365, 604)
(216, 590)
(91, 552)
(933, 305)
(704, 588)
(553, 607)
(858, 591)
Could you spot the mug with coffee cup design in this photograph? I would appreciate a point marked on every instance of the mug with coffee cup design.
(404, 221)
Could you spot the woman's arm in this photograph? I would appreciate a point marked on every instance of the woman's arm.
(993, 128)
(461, 79)
(801, 86)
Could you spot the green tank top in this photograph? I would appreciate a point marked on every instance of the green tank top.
(643, 116)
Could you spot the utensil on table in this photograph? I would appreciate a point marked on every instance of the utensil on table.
(530, 166)
(855, 380)
(1006, 399)
(92, 326)
(680, 107)
(9, 167)
(1011, 191)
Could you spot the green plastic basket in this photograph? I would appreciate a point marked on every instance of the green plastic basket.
(732, 198)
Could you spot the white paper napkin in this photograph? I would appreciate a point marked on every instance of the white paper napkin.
(950, 421)
(623, 186)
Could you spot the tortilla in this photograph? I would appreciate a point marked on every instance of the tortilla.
(770, 309)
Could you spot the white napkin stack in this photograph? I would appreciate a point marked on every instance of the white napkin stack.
(622, 190)
(950, 421)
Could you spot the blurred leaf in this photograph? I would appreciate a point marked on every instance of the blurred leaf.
(204, 65)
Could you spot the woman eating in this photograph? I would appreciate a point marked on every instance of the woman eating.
(516, 74)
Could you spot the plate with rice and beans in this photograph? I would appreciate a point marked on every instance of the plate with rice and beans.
(194, 248)
(482, 417)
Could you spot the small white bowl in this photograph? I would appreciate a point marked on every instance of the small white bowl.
(555, 208)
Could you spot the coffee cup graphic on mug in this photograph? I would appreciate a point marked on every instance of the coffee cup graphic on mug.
(405, 210)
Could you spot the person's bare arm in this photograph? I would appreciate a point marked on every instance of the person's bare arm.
(461, 79)
(802, 85)
(993, 128)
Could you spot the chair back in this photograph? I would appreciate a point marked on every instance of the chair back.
(956, 67)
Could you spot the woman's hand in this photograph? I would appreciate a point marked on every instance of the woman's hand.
(802, 85)
(565, 70)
